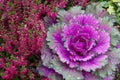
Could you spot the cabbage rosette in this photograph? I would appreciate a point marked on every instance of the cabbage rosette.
(81, 46)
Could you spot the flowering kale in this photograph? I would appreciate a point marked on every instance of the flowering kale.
(82, 45)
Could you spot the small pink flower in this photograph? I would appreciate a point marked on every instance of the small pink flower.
(10, 72)
(5, 77)
(24, 71)
(2, 64)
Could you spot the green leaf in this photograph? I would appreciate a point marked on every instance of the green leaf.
(1, 73)
(116, 0)
(95, 8)
(111, 9)
(76, 10)
(62, 14)
(16, 78)
(52, 61)
(10, 4)
(119, 4)
(23, 67)
(38, 2)
(67, 73)
(68, 5)
(8, 64)
(65, 16)
(113, 60)
(51, 30)
(12, 57)
(5, 54)
(114, 37)
(50, 73)
(108, 21)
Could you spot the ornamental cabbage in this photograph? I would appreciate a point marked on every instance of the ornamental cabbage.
(81, 45)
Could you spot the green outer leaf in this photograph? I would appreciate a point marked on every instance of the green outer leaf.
(94, 9)
(62, 14)
(107, 21)
(52, 61)
(65, 16)
(114, 37)
(114, 33)
(68, 74)
(47, 72)
(114, 59)
(98, 11)
(51, 30)
(76, 10)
